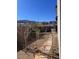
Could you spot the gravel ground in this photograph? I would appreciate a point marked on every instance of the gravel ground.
(42, 44)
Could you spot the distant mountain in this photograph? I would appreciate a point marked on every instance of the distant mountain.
(25, 21)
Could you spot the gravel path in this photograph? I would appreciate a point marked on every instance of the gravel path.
(43, 44)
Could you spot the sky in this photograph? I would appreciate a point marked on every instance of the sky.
(36, 10)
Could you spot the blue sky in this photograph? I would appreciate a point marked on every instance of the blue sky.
(36, 10)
